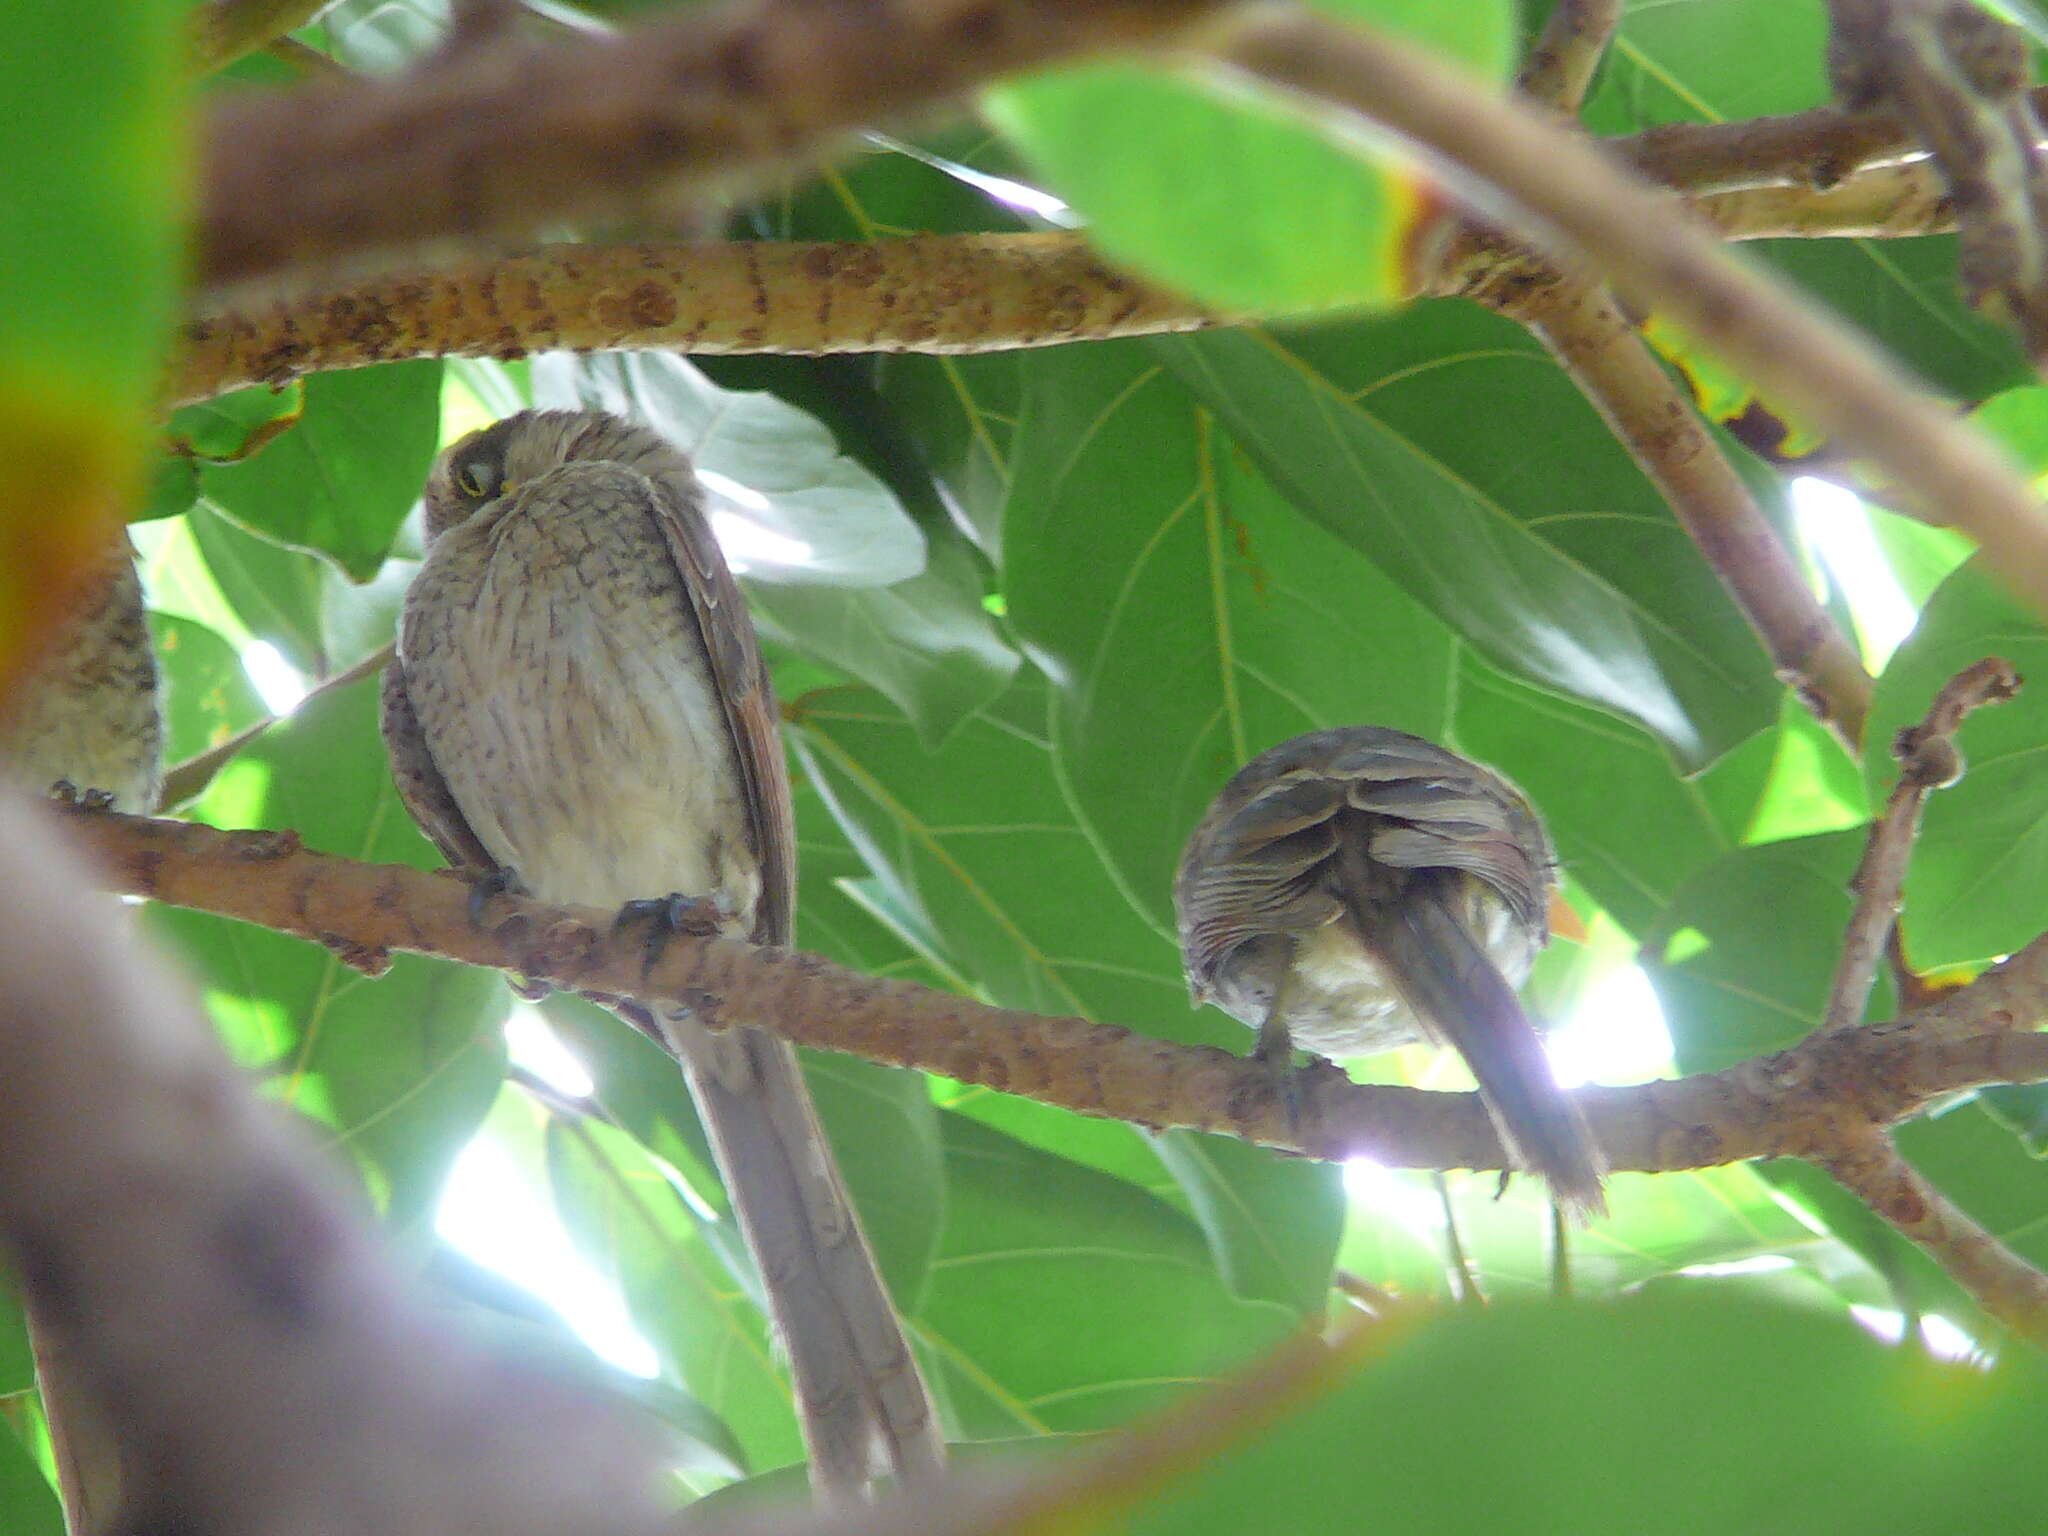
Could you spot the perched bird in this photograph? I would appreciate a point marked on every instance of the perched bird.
(88, 712)
(579, 710)
(1354, 889)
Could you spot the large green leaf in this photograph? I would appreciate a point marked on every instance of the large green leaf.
(342, 480)
(1977, 886)
(91, 187)
(1231, 193)
(710, 1338)
(1064, 1301)
(1192, 616)
(397, 1071)
(208, 694)
(273, 593)
(1562, 1419)
(1710, 60)
(26, 1497)
(1521, 523)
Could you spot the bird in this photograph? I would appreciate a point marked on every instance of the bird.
(86, 717)
(1354, 889)
(578, 710)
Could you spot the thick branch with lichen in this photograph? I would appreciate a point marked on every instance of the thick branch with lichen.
(932, 294)
(1791, 1104)
(927, 294)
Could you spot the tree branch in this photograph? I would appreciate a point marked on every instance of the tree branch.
(257, 1356)
(1928, 760)
(1791, 1104)
(1799, 357)
(1616, 371)
(927, 293)
(1561, 64)
(1882, 202)
(1957, 78)
(2005, 1285)
(496, 140)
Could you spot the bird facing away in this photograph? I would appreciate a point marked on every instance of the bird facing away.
(1354, 889)
(88, 713)
(580, 710)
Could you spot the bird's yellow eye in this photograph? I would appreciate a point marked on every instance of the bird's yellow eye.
(476, 479)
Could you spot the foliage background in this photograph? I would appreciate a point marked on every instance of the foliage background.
(1053, 599)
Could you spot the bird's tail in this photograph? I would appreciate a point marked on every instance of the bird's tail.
(1432, 961)
(860, 1398)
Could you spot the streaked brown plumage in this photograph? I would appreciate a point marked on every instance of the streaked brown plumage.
(580, 704)
(1354, 889)
(89, 712)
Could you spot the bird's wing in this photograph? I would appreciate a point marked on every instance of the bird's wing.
(420, 785)
(751, 715)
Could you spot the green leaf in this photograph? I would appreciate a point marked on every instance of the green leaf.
(880, 1120)
(636, 1229)
(230, 427)
(17, 1361)
(1732, 987)
(1522, 525)
(1226, 196)
(790, 507)
(26, 1497)
(341, 481)
(1519, 1417)
(398, 1071)
(1711, 62)
(1193, 617)
(1126, 1309)
(1229, 192)
(92, 184)
(274, 594)
(1977, 885)
(1273, 1234)
(208, 694)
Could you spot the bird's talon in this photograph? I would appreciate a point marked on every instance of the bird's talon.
(487, 888)
(665, 917)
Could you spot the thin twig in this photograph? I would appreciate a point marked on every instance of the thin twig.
(2001, 1282)
(1790, 1104)
(184, 781)
(1614, 368)
(1375, 1299)
(1805, 361)
(1461, 1276)
(1928, 760)
(1560, 66)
